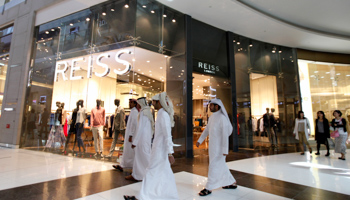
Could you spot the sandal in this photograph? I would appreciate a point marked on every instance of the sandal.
(129, 197)
(118, 167)
(233, 186)
(204, 192)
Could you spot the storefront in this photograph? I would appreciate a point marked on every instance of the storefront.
(131, 49)
(109, 51)
(267, 94)
(324, 86)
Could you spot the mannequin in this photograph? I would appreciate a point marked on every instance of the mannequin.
(273, 128)
(98, 120)
(118, 126)
(80, 120)
(56, 132)
(58, 114)
(72, 129)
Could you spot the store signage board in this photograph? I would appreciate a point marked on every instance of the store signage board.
(208, 68)
(63, 66)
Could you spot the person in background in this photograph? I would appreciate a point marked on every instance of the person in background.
(321, 132)
(339, 124)
(302, 131)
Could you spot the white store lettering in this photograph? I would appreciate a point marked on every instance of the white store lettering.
(74, 66)
(208, 68)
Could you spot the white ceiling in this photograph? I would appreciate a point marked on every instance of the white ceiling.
(319, 25)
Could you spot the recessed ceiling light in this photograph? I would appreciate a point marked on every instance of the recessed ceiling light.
(71, 24)
(171, 67)
(133, 59)
(144, 6)
(148, 61)
(139, 70)
(87, 19)
(150, 71)
(52, 29)
(47, 32)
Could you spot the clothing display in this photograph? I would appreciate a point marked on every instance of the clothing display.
(81, 115)
(159, 181)
(254, 124)
(119, 119)
(98, 116)
(56, 136)
(219, 130)
(97, 132)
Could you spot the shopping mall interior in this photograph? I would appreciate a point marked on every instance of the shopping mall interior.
(61, 60)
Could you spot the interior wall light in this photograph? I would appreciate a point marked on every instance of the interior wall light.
(250, 43)
(87, 19)
(104, 11)
(274, 50)
(126, 4)
(113, 7)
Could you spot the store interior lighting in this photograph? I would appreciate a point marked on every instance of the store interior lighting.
(126, 4)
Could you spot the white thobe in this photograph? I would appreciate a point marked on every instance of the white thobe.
(159, 181)
(219, 175)
(128, 153)
(142, 141)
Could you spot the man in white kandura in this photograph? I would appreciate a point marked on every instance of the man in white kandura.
(142, 141)
(159, 181)
(219, 129)
(128, 153)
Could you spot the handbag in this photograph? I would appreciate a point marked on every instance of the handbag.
(335, 134)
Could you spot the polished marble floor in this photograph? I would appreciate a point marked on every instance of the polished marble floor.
(188, 185)
(260, 174)
(326, 173)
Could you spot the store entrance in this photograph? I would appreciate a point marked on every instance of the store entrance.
(205, 88)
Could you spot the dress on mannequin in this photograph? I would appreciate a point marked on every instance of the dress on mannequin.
(81, 117)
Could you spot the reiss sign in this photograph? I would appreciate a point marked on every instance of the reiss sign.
(73, 66)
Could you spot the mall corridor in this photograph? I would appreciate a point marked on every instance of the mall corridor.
(26, 174)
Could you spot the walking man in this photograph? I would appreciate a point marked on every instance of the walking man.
(142, 141)
(128, 153)
(219, 128)
(159, 181)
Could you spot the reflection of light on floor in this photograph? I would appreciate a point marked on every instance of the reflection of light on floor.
(343, 171)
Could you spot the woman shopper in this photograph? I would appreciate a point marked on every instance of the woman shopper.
(302, 131)
(322, 132)
(339, 124)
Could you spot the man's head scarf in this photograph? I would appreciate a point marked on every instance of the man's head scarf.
(146, 110)
(227, 124)
(167, 105)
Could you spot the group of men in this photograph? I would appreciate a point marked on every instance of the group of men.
(151, 161)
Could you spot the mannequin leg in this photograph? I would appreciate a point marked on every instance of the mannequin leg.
(100, 134)
(116, 133)
(95, 134)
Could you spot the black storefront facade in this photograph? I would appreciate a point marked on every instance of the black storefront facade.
(116, 50)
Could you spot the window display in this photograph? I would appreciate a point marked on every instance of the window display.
(324, 87)
(95, 55)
